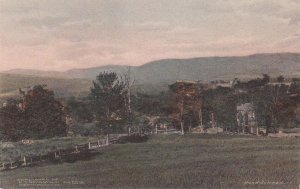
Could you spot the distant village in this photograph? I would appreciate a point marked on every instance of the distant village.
(246, 118)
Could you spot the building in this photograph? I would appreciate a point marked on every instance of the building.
(246, 119)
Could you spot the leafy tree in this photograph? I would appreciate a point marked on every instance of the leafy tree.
(266, 78)
(38, 116)
(295, 87)
(188, 104)
(274, 104)
(108, 98)
(249, 86)
(274, 107)
(154, 104)
(12, 122)
(280, 79)
(222, 103)
(44, 115)
(154, 109)
(80, 110)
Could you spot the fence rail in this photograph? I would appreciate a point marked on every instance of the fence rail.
(169, 131)
(57, 155)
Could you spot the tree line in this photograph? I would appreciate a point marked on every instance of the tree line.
(111, 107)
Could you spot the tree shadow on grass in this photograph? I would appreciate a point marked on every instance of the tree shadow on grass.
(133, 139)
(74, 157)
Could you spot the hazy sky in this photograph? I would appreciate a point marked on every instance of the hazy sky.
(64, 34)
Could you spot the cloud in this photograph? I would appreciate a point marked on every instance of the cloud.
(67, 34)
(46, 21)
(295, 19)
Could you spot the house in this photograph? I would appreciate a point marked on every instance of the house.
(222, 83)
(246, 118)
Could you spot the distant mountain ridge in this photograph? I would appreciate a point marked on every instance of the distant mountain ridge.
(204, 68)
(63, 87)
(32, 72)
(91, 73)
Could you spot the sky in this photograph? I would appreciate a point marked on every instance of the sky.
(61, 35)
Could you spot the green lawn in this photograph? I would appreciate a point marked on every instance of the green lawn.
(174, 161)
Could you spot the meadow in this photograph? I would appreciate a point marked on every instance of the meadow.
(12, 151)
(174, 161)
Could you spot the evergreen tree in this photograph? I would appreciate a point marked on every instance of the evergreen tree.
(108, 98)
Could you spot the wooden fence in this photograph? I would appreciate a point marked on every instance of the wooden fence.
(58, 155)
(167, 131)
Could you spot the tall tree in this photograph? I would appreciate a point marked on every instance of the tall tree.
(108, 97)
(128, 83)
(273, 105)
(44, 114)
(188, 103)
(220, 106)
(38, 115)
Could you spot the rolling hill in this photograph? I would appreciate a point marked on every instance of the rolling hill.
(10, 83)
(156, 75)
(213, 68)
(205, 68)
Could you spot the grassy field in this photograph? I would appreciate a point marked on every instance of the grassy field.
(12, 151)
(173, 161)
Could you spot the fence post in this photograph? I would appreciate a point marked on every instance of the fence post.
(98, 143)
(76, 148)
(107, 139)
(156, 129)
(24, 160)
(89, 145)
